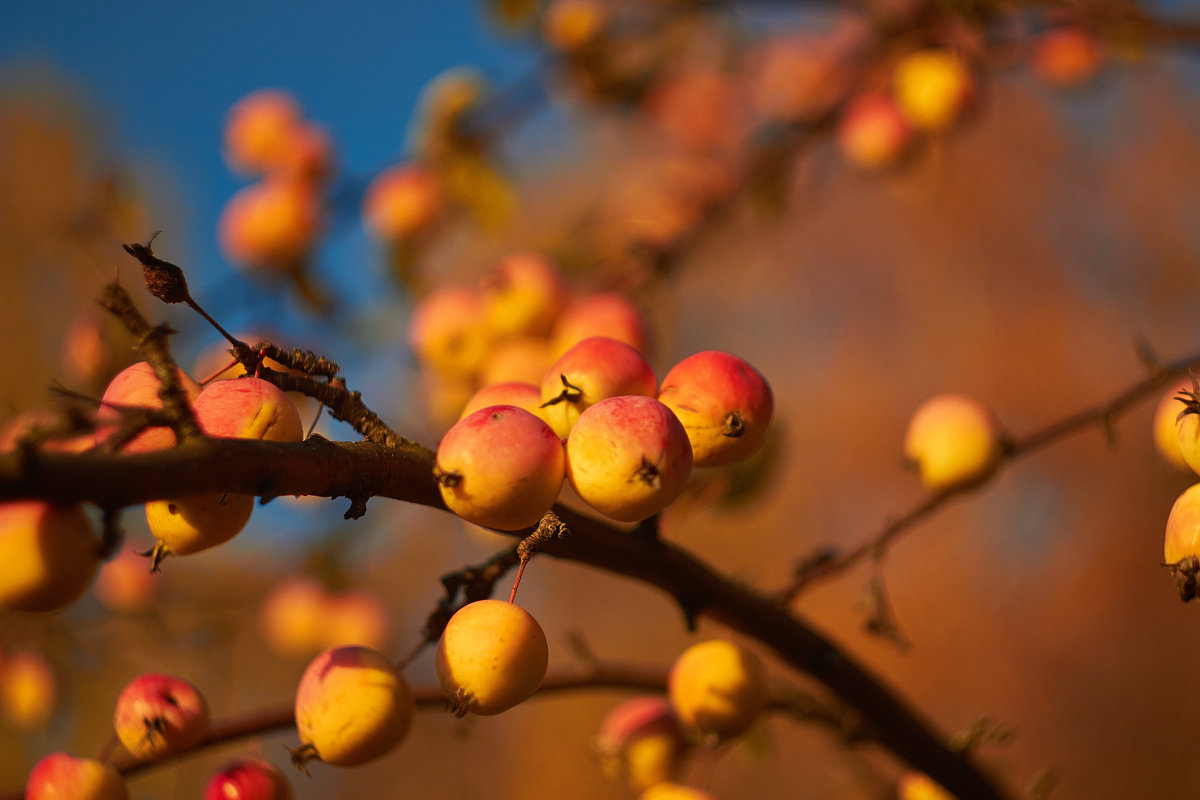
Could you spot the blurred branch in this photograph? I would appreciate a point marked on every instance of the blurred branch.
(1102, 416)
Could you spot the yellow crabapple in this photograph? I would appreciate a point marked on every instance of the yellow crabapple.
(932, 88)
(517, 358)
(352, 706)
(1183, 527)
(270, 224)
(159, 714)
(953, 440)
(1166, 424)
(724, 403)
(28, 688)
(628, 457)
(447, 331)
(402, 202)
(673, 791)
(492, 656)
(608, 314)
(61, 776)
(291, 616)
(257, 129)
(1187, 426)
(124, 584)
(717, 688)
(522, 294)
(500, 467)
(571, 25)
(357, 617)
(138, 385)
(50, 555)
(872, 133)
(505, 393)
(640, 742)
(594, 369)
(919, 786)
(248, 779)
(186, 525)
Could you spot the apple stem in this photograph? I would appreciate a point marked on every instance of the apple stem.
(512, 596)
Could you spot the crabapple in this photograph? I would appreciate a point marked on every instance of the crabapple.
(270, 224)
(1187, 426)
(1166, 421)
(1066, 56)
(447, 331)
(248, 779)
(594, 369)
(640, 741)
(355, 617)
(50, 555)
(62, 776)
(628, 457)
(248, 408)
(187, 525)
(599, 314)
(307, 153)
(500, 467)
(352, 706)
(1183, 527)
(517, 358)
(872, 133)
(291, 614)
(717, 688)
(505, 393)
(257, 129)
(159, 714)
(138, 385)
(124, 584)
(724, 403)
(953, 440)
(27, 688)
(492, 655)
(571, 25)
(919, 786)
(673, 791)
(31, 421)
(522, 294)
(402, 202)
(932, 87)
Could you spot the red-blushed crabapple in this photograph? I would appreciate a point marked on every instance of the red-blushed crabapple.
(137, 385)
(628, 457)
(28, 689)
(35, 420)
(500, 467)
(517, 358)
(1166, 424)
(571, 25)
(124, 584)
(355, 616)
(594, 369)
(1066, 56)
(248, 779)
(447, 331)
(608, 314)
(403, 202)
(953, 440)
(919, 786)
(257, 129)
(352, 706)
(1183, 527)
(505, 393)
(674, 791)
(159, 714)
(290, 617)
(62, 776)
(522, 294)
(248, 408)
(872, 133)
(697, 108)
(50, 555)
(640, 742)
(307, 153)
(932, 87)
(717, 688)
(724, 403)
(492, 656)
(270, 224)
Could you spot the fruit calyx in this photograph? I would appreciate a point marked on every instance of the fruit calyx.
(735, 426)
(647, 473)
(156, 555)
(570, 393)
(449, 479)
(302, 755)
(1185, 572)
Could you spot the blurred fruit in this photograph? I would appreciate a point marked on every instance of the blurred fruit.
(61, 776)
(258, 128)
(50, 555)
(271, 224)
(1066, 56)
(872, 133)
(137, 386)
(124, 584)
(640, 742)
(932, 88)
(717, 688)
(248, 779)
(953, 440)
(403, 202)
(28, 689)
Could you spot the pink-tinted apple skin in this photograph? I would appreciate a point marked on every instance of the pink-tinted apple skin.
(352, 706)
(447, 331)
(596, 368)
(500, 467)
(640, 741)
(137, 385)
(159, 714)
(270, 224)
(403, 202)
(510, 393)
(50, 555)
(257, 129)
(62, 776)
(248, 779)
(26, 423)
(248, 408)
(724, 403)
(125, 584)
(28, 688)
(600, 314)
(628, 457)
(522, 295)
(872, 133)
(357, 617)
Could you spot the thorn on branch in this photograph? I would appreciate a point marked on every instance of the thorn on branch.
(881, 621)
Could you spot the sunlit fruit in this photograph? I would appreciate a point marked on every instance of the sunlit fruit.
(872, 133)
(505, 393)
(594, 369)
(28, 688)
(61, 776)
(50, 555)
(1066, 56)
(919, 786)
(717, 688)
(159, 714)
(640, 742)
(953, 440)
(674, 791)
(932, 88)
(600, 314)
(522, 294)
(1183, 527)
(447, 331)
(137, 386)
(492, 655)
(248, 779)
(402, 202)
(124, 584)
(270, 224)
(1166, 424)
(186, 525)
(257, 130)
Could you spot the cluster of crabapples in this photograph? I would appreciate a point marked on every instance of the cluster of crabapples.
(1177, 437)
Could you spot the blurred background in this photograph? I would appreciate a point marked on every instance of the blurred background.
(699, 159)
